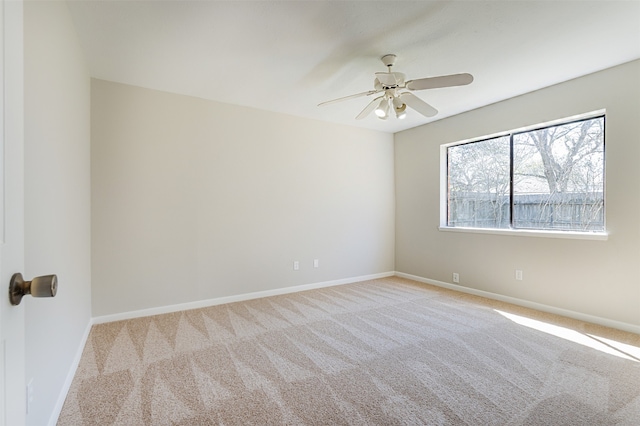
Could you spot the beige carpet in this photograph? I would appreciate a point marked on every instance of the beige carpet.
(381, 352)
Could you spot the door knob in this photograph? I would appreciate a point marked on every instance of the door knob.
(44, 286)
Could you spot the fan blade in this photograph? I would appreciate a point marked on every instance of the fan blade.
(357, 95)
(367, 110)
(437, 82)
(418, 104)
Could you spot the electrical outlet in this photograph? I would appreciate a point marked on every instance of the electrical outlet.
(456, 277)
(316, 263)
(518, 274)
(296, 265)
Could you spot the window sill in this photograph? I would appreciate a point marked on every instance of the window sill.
(599, 236)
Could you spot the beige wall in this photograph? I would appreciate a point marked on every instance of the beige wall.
(194, 200)
(57, 201)
(598, 278)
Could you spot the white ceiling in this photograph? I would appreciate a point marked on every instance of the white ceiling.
(288, 56)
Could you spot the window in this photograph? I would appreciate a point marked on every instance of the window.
(548, 178)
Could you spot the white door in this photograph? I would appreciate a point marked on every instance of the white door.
(12, 342)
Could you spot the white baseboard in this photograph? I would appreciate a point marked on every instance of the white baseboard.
(230, 299)
(632, 328)
(57, 409)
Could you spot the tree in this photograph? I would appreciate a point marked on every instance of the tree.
(566, 164)
(570, 156)
(558, 179)
(479, 183)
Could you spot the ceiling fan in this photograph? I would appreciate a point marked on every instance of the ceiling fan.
(396, 92)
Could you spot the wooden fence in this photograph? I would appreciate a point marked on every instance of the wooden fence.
(563, 211)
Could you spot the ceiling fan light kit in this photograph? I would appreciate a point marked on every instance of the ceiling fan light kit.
(400, 108)
(383, 109)
(397, 92)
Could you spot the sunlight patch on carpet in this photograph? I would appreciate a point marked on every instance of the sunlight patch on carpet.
(607, 346)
